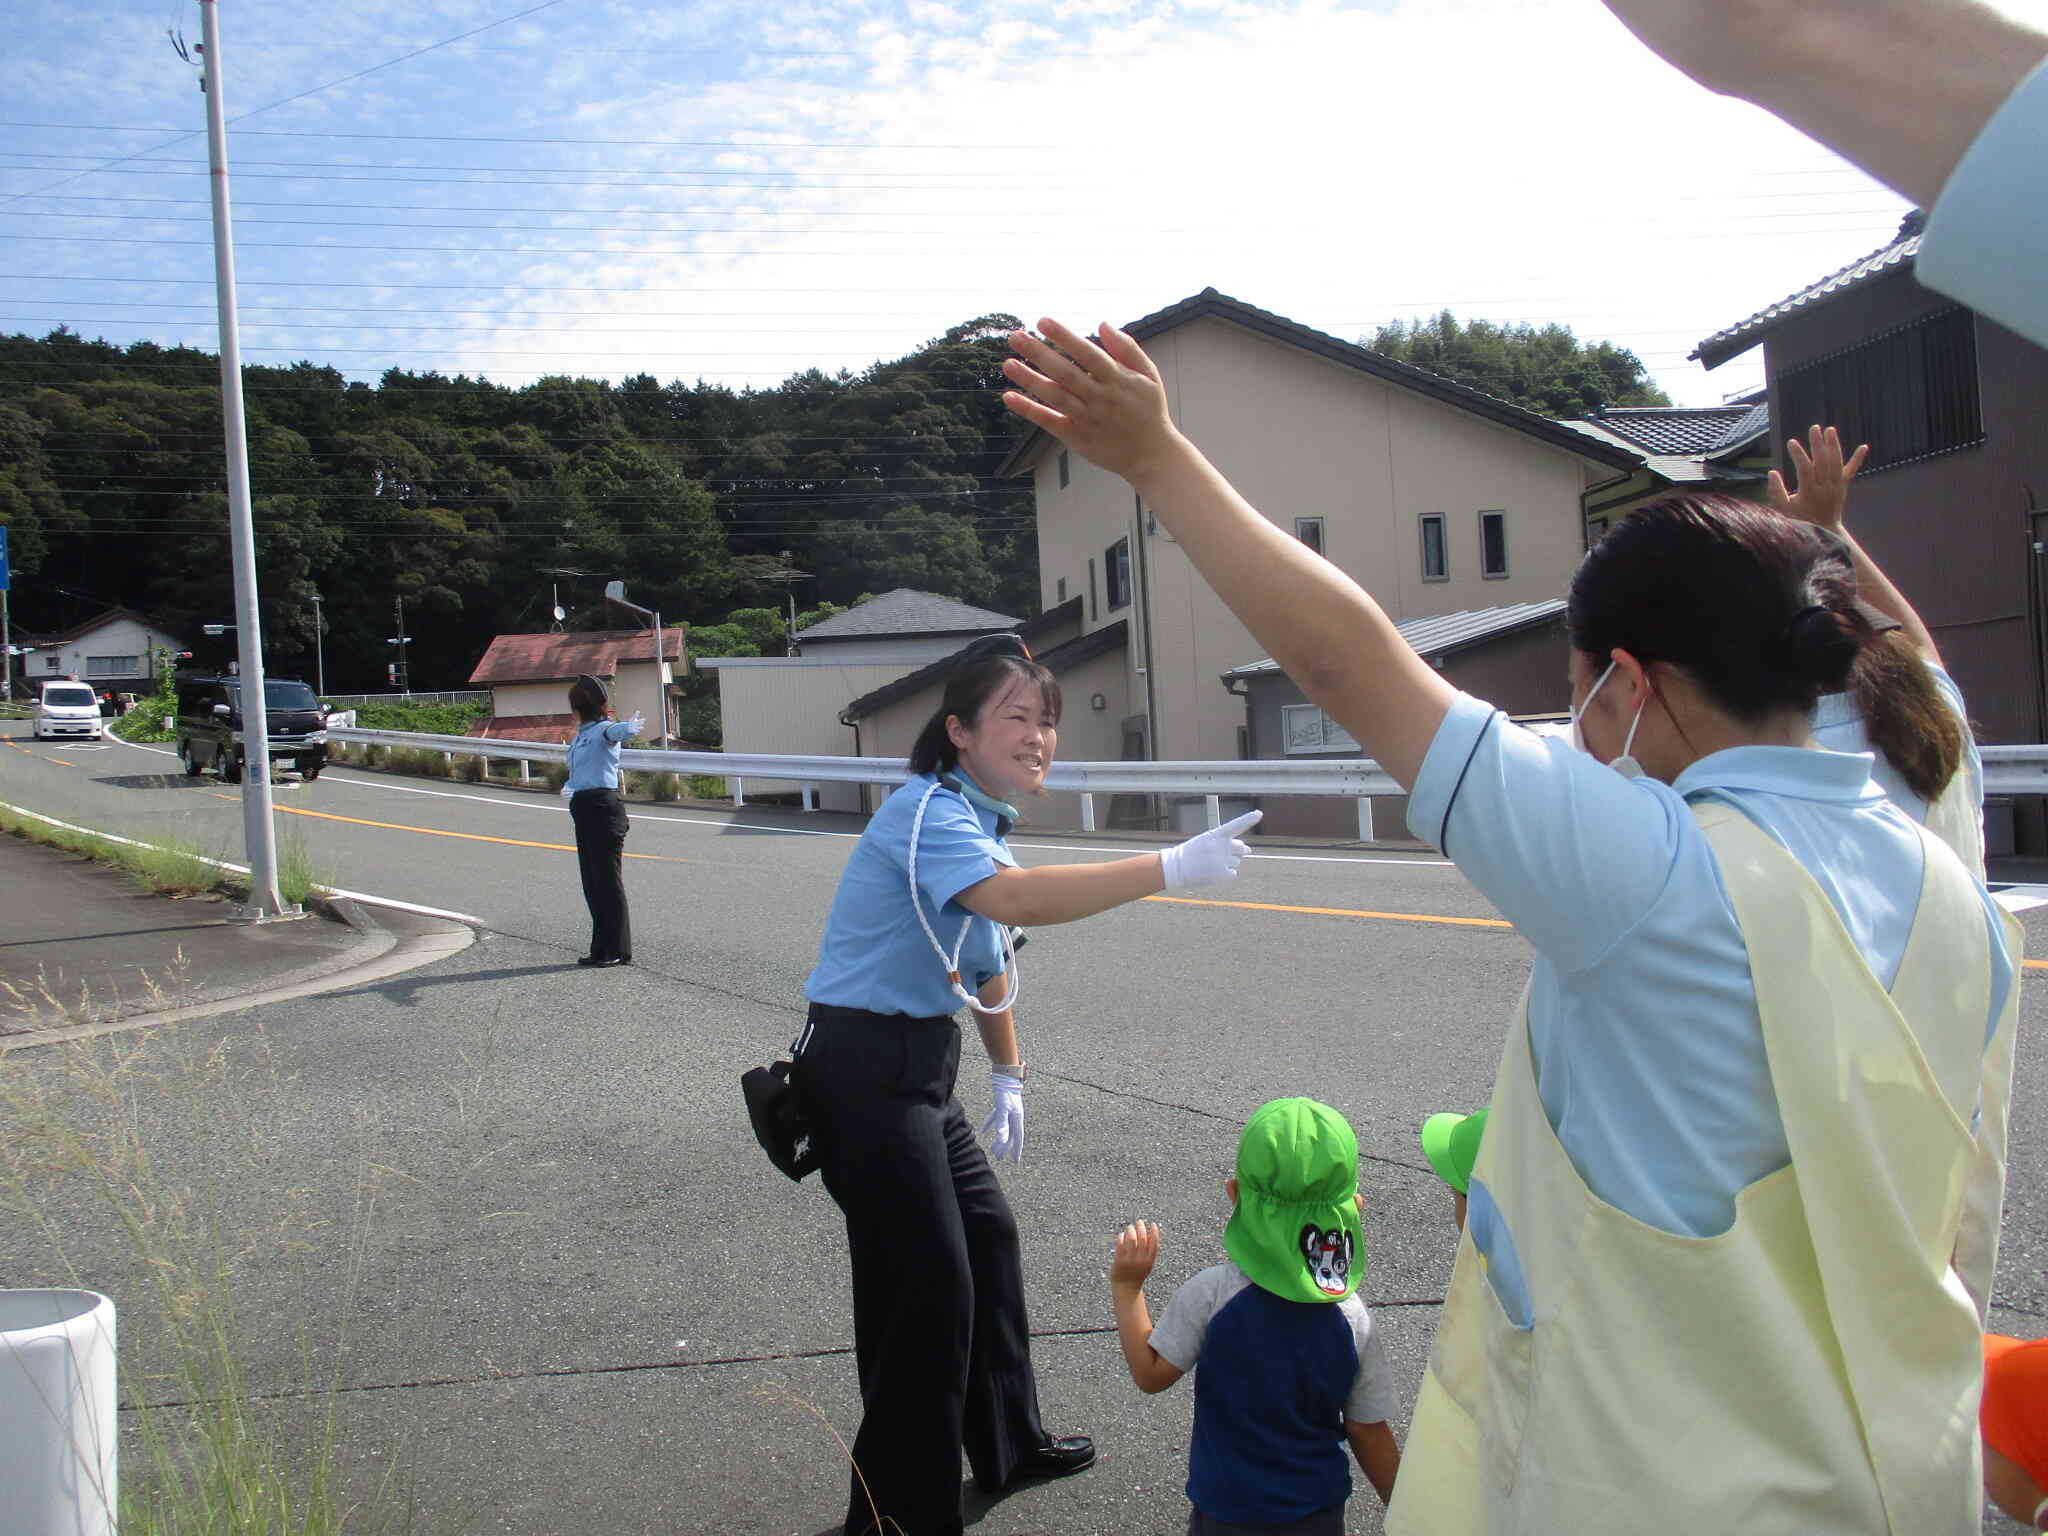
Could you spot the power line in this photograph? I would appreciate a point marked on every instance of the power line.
(492, 138)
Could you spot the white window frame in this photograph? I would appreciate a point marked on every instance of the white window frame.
(113, 666)
(1443, 543)
(1502, 573)
(1306, 729)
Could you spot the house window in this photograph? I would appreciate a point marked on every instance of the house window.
(1596, 530)
(1310, 531)
(1063, 590)
(1116, 574)
(50, 662)
(1436, 560)
(113, 666)
(1493, 545)
(1305, 728)
(1091, 589)
(1066, 470)
(1910, 393)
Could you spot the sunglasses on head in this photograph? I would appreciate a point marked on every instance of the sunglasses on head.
(996, 645)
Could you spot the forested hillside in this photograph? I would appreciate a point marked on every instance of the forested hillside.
(458, 495)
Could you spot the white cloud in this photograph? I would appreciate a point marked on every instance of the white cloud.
(889, 169)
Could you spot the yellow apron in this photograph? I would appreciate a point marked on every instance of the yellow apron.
(1957, 817)
(1815, 1368)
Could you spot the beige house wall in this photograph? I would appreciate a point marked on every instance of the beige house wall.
(791, 708)
(1302, 436)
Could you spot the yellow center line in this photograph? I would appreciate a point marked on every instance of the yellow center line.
(1391, 917)
(473, 837)
(61, 762)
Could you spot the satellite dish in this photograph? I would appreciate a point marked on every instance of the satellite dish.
(559, 615)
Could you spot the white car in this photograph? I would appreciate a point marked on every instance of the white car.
(67, 709)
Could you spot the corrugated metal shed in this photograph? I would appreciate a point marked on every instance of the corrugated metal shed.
(1445, 632)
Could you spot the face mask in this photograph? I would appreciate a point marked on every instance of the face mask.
(1005, 813)
(1625, 765)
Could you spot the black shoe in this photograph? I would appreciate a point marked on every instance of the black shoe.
(599, 960)
(1057, 1458)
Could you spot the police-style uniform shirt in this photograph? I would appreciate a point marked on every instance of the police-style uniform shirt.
(1277, 1382)
(594, 755)
(1643, 1026)
(874, 955)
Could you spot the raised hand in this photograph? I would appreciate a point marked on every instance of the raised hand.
(1101, 396)
(1824, 476)
(1137, 1250)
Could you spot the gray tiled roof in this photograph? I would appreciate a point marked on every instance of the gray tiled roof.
(1444, 632)
(907, 611)
(1756, 423)
(1897, 255)
(1672, 428)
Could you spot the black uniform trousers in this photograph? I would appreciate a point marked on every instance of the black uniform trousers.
(940, 1334)
(599, 816)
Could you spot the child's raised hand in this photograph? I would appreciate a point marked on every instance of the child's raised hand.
(1137, 1250)
(1101, 395)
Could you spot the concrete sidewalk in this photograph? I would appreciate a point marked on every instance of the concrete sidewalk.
(85, 949)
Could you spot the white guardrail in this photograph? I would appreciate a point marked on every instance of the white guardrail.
(2021, 770)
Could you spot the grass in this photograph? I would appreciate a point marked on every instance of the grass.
(172, 868)
(162, 1147)
(705, 787)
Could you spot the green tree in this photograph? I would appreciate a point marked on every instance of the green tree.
(1544, 369)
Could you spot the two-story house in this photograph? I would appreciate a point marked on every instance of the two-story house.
(1437, 497)
(1953, 501)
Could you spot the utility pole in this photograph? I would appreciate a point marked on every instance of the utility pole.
(319, 650)
(6, 634)
(258, 832)
(404, 678)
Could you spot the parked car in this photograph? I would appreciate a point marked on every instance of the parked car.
(67, 709)
(210, 725)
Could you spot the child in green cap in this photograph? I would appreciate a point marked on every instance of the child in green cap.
(1291, 1365)
(1451, 1143)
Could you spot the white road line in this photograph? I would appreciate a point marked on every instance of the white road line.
(2021, 898)
(243, 869)
(752, 826)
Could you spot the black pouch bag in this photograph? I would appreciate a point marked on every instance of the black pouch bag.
(779, 1125)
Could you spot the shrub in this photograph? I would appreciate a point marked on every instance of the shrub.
(557, 775)
(474, 769)
(433, 719)
(145, 722)
(705, 787)
(667, 786)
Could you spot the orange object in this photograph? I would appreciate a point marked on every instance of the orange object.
(2015, 1411)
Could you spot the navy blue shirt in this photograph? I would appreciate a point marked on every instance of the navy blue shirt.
(1277, 1382)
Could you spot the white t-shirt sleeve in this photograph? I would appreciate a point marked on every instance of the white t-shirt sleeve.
(1373, 1399)
(1987, 239)
(1178, 1333)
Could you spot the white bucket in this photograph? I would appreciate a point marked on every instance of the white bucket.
(57, 1435)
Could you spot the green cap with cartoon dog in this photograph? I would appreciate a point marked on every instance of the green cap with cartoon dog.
(1295, 1231)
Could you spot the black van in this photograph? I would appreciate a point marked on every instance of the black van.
(210, 724)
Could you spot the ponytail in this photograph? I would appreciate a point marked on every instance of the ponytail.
(1905, 716)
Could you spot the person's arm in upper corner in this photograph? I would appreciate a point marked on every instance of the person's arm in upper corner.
(1823, 500)
(1137, 1250)
(1378, 1455)
(1104, 399)
(1836, 70)
(1570, 852)
(623, 730)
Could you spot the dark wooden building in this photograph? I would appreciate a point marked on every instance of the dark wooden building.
(1954, 501)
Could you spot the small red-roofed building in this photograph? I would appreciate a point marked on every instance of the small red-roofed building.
(529, 678)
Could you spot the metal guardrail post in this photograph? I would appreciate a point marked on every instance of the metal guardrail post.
(810, 797)
(1212, 810)
(1087, 813)
(1365, 818)
(739, 792)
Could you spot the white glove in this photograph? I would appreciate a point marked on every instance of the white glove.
(1007, 1118)
(638, 722)
(1208, 858)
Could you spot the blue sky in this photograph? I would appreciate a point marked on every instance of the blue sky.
(734, 191)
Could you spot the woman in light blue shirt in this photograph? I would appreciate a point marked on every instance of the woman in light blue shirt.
(920, 925)
(1703, 630)
(600, 820)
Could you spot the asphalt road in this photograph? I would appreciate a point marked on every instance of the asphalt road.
(513, 1209)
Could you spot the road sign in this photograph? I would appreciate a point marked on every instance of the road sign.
(3, 558)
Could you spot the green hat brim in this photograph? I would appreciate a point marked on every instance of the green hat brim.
(1445, 1147)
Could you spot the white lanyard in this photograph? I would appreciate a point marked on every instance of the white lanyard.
(952, 961)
